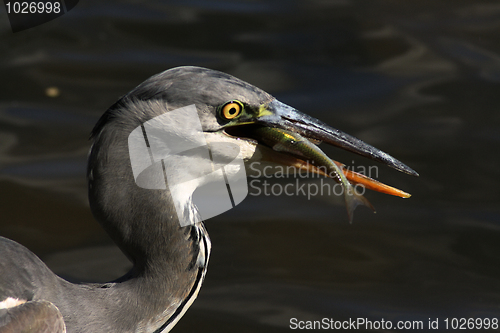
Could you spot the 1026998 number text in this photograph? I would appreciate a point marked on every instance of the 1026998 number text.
(471, 323)
(33, 7)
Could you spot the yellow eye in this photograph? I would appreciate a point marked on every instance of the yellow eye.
(231, 109)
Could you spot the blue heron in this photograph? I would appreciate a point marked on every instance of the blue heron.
(169, 260)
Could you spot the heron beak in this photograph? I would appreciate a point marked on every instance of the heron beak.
(281, 116)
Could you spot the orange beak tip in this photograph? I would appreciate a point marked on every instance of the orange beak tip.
(373, 184)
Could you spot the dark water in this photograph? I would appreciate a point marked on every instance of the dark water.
(419, 80)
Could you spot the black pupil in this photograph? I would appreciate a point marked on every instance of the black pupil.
(232, 110)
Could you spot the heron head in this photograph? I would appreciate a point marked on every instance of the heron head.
(229, 111)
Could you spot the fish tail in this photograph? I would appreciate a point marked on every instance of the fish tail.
(353, 200)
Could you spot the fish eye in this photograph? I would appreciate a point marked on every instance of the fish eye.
(231, 109)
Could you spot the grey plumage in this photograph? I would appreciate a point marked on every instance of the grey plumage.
(168, 260)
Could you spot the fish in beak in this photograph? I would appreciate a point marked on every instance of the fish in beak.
(293, 137)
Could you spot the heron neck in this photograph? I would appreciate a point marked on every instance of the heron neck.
(142, 222)
(169, 261)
